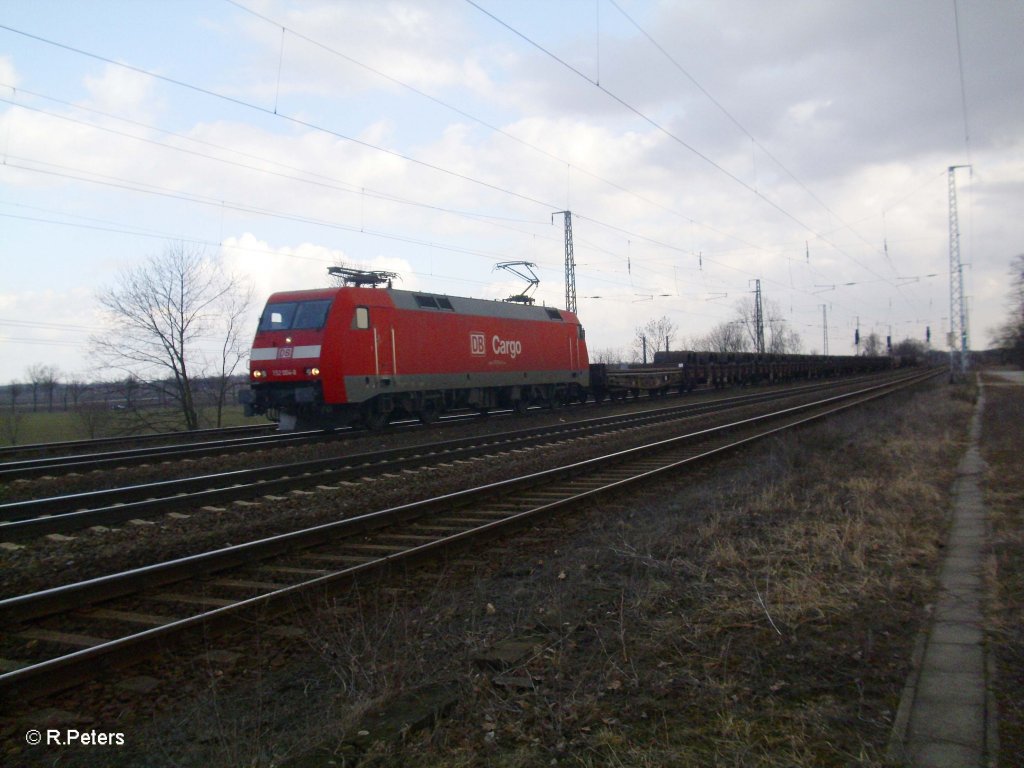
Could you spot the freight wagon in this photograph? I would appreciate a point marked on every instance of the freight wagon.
(685, 371)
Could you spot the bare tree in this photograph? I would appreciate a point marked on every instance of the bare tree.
(14, 391)
(35, 374)
(872, 344)
(780, 339)
(1010, 335)
(234, 346)
(608, 355)
(74, 388)
(164, 311)
(910, 349)
(653, 336)
(130, 387)
(724, 338)
(11, 417)
(42, 377)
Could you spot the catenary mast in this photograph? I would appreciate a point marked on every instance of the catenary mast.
(959, 348)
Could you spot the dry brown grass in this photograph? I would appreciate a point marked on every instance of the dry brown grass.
(1003, 449)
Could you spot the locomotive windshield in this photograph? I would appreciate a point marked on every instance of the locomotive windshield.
(295, 315)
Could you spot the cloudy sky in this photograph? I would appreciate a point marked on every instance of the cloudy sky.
(700, 146)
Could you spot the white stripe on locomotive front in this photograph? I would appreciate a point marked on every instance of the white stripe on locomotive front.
(298, 353)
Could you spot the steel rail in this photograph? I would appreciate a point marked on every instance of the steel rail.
(27, 468)
(50, 465)
(66, 447)
(62, 514)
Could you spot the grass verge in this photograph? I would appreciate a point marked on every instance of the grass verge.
(1002, 448)
(57, 426)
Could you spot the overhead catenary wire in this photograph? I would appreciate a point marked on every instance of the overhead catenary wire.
(317, 179)
(655, 124)
(304, 123)
(754, 141)
(269, 112)
(256, 107)
(962, 81)
(634, 236)
(313, 126)
(478, 120)
(662, 129)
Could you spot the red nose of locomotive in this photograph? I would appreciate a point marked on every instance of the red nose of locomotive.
(285, 368)
(288, 341)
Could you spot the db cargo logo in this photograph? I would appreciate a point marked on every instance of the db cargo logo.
(508, 347)
(477, 344)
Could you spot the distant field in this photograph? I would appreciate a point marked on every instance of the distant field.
(44, 427)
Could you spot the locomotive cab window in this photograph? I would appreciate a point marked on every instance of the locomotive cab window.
(294, 315)
(311, 314)
(361, 320)
(277, 317)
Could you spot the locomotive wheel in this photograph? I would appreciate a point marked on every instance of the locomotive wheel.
(519, 407)
(429, 414)
(376, 421)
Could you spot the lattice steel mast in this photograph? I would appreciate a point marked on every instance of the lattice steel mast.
(758, 319)
(570, 263)
(824, 328)
(959, 348)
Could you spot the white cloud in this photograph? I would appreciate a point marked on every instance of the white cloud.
(281, 268)
(47, 326)
(298, 267)
(806, 111)
(8, 74)
(121, 91)
(423, 45)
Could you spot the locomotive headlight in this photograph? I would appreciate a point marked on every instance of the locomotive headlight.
(259, 374)
(287, 339)
(312, 371)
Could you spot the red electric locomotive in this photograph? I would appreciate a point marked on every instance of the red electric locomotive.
(357, 354)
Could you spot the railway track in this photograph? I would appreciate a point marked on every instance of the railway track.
(70, 634)
(10, 453)
(14, 465)
(64, 514)
(42, 466)
(57, 465)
